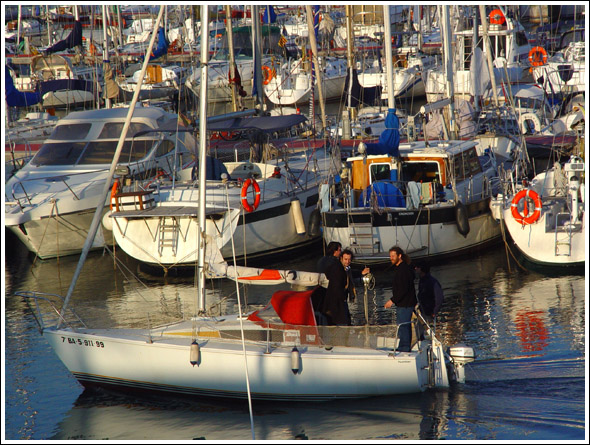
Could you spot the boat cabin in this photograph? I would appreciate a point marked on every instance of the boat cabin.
(432, 171)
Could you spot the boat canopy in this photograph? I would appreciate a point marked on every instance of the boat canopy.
(266, 124)
(72, 40)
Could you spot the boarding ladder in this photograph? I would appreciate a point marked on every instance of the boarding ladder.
(362, 237)
(563, 243)
(168, 231)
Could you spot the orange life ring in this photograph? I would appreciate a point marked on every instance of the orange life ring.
(247, 206)
(497, 17)
(267, 74)
(538, 56)
(526, 218)
(114, 190)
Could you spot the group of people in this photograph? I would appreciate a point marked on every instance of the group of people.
(332, 306)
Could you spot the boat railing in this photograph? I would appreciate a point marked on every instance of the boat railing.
(45, 307)
(27, 197)
(273, 335)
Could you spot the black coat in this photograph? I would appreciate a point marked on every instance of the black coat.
(402, 286)
(334, 305)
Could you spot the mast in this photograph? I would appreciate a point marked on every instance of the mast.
(202, 155)
(232, 57)
(257, 51)
(486, 42)
(316, 65)
(448, 64)
(388, 56)
(107, 185)
(105, 53)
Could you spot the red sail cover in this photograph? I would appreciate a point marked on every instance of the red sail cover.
(292, 307)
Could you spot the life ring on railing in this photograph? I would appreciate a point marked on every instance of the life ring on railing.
(114, 190)
(532, 118)
(526, 219)
(267, 74)
(247, 206)
(538, 56)
(497, 17)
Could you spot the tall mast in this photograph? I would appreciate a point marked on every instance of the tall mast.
(486, 42)
(105, 52)
(388, 56)
(202, 155)
(232, 57)
(314, 50)
(448, 63)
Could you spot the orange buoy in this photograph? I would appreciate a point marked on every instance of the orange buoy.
(497, 17)
(538, 56)
(267, 74)
(525, 218)
(244, 195)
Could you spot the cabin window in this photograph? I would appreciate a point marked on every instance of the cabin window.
(165, 147)
(380, 172)
(113, 130)
(102, 152)
(466, 164)
(70, 132)
(424, 171)
(60, 153)
(521, 39)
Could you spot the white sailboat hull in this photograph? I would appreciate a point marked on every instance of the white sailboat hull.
(419, 240)
(133, 361)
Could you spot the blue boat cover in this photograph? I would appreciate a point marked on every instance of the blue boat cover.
(389, 139)
(16, 98)
(388, 195)
(162, 47)
(73, 39)
(269, 10)
(266, 124)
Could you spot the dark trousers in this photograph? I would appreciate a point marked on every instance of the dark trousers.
(404, 315)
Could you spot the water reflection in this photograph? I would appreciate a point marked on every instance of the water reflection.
(528, 382)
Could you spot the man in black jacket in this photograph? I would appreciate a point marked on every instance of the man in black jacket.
(404, 296)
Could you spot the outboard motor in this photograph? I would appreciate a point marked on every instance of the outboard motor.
(461, 355)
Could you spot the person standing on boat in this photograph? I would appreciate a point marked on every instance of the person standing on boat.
(346, 259)
(430, 293)
(404, 296)
(318, 296)
(333, 251)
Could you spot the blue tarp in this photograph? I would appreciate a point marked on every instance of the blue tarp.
(388, 195)
(389, 139)
(73, 39)
(269, 10)
(267, 124)
(68, 84)
(16, 98)
(162, 47)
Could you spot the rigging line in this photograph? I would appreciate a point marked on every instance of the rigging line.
(241, 323)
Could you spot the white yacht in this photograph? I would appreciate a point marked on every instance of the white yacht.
(50, 201)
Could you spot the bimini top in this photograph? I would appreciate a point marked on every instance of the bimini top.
(266, 124)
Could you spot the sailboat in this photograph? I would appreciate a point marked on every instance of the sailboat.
(546, 216)
(277, 353)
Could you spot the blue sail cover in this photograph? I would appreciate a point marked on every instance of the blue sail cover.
(72, 40)
(16, 98)
(269, 10)
(389, 139)
(162, 47)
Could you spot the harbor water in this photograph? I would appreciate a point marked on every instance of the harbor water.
(529, 381)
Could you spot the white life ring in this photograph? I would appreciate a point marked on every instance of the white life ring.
(532, 117)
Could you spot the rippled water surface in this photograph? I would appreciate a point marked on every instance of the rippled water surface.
(528, 383)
